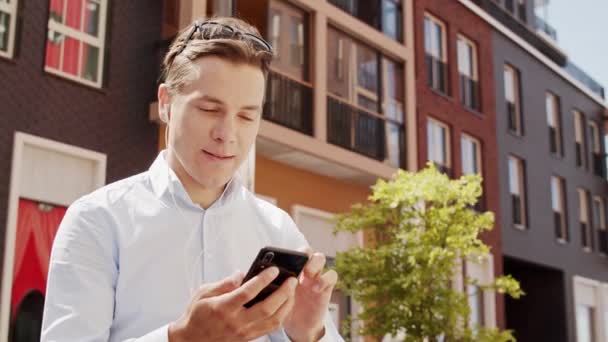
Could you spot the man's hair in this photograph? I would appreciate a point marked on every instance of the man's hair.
(177, 68)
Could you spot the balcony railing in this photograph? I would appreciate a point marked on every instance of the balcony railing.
(437, 72)
(289, 102)
(602, 239)
(544, 27)
(598, 164)
(469, 92)
(363, 131)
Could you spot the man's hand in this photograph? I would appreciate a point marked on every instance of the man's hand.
(306, 321)
(216, 312)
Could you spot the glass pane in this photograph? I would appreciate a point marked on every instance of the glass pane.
(296, 29)
(54, 44)
(436, 143)
(338, 53)
(427, 36)
(550, 105)
(476, 304)
(394, 77)
(71, 52)
(513, 176)
(391, 19)
(582, 201)
(57, 10)
(74, 14)
(367, 68)
(274, 29)
(578, 127)
(584, 323)
(223, 8)
(91, 17)
(367, 103)
(90, 63)
(393, 143)
(465, 59)
(437, 42)
(469, 156)
(509, 85)
(4, 30)
(555, 194)
(596, 213)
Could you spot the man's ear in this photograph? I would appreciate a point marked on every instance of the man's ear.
(164, 103)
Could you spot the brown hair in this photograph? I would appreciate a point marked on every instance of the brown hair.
(177, 64)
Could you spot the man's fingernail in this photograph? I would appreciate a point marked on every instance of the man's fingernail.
(274, 272)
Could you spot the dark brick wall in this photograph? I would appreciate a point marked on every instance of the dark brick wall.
(450, 110)
(112, 120)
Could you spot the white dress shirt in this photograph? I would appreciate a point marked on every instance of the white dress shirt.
(127, 257)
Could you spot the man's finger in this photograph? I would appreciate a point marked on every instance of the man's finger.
(220, 287)
(269, 306)
(252, 287)
(314, 266)
(327, 282)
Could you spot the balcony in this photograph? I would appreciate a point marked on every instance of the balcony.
(469, 92)
(519, 27)
(289, 103)
(364, 132)
(602, 239)
(544, 27)
(437, 72)
(383, 15)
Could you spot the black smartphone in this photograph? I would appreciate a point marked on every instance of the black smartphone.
(290, 264)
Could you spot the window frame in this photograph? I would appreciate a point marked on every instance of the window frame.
(521, 188)
(590, 293)
(562, 207)
(556, 117)
(474, 59)
(516, 89)
(467, 43)
(584, 217)
(434, 79)
(11, 9)
(477, 144)
(579, 134)
(447, 148)
(98, 42)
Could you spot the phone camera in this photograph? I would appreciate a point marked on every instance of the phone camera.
(268, 257)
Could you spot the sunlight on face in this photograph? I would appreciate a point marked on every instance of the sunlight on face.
(215, 120)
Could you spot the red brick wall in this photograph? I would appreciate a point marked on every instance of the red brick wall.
(449, 109)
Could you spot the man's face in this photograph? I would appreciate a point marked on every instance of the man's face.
(214, 120)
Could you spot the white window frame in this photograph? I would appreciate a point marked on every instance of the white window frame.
(23, 142)
(515, 90)
(520, 187)
(483, 272)
(11, 10)
(98, 42)
(595, 138)
(554, 119)
(588, 292)
(477, 145)
(448, 153)
(443, 28)
(474, 64)
(561, 205)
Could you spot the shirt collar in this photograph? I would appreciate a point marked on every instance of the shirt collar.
(164, 185)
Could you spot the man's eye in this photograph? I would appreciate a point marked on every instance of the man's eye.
(246, 118)
(209, 110)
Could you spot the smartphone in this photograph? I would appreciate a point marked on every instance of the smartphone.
(290, 264)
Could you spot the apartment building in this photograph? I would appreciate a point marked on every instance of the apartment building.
(76, 78)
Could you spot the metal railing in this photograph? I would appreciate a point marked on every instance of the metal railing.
(289, 102)
(541, 25)
(360, 130)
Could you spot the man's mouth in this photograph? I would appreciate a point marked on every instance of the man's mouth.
(218, 156)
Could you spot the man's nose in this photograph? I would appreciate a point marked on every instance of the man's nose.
(225, 130)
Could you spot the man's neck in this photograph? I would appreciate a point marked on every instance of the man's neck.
(202, 196)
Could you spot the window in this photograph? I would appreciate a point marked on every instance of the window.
(585, 323)
(584, 215)
(76, 40)
(517, 189)
(512, 97)
(366, 100)
(384, 15)
(599, 222)
(436, 56)
(558, 204)
(471, 155)
(587, 304)
(288, 34)
(553, 120)
(438, 145)
(467, 68)
(596, 149)
(8, 13)
(579, 139)
(481, 303)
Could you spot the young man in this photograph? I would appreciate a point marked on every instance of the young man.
(156, 257)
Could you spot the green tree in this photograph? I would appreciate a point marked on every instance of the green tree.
(421, 224)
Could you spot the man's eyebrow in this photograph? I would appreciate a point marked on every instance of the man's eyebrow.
(215, 100)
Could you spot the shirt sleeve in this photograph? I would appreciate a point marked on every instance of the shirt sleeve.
(79, 303)
(294, 239)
